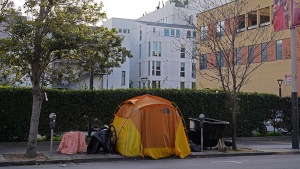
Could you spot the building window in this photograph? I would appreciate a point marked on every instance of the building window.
(188, 34)
(191, 19)
(279, 50)
(203, 64)
(264, 15)
(264, 53)
(140, 51)
(124, 30)
(203, 34)
(123, 78)
(182, 51)
(194, 70)
(149, 49)
(154, 29)
(149, 66)
(220, 59)
(159, 49)
(181, 85)
(238, 56)
(154, 84)
(157, 68)
(193, 85)
(172, 32)
(177, 33)
(166, 32)
(252, 20)
(194, 34)
(128, 30)
(140, 70)
(220, 29)
(141, 29)
(194, 50)
(156, 45)
(120, 30)
(250, 54)
(241, 23)
(153, 68)
(182, 74)
(167, 20)
(123, 56)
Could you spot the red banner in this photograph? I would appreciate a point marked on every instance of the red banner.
(295, 13)
(281, 15)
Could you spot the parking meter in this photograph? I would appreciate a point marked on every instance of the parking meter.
(201, 118)
(52, 118)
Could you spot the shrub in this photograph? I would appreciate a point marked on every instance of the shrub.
(277, 133)
(70, 107)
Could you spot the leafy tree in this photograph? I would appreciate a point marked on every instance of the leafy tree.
(59, 31)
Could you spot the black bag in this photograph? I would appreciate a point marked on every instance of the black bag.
(100, 139)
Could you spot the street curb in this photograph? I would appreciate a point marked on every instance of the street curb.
(32, 162)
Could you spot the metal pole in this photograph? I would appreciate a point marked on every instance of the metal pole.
(295, 139)
(107, 78)
(51, 143)
(201, 139)
(91, 79)
(280, 91)
(274, 113)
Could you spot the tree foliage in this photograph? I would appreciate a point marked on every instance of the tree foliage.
(57, 31)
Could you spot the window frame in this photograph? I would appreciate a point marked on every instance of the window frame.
(277, 52)
(182, 51)
(123, 78)
(251, 54)
(166, 32)
(264, 53)
(203, 62)
(182, 69)
(203, 34)
(221, 26)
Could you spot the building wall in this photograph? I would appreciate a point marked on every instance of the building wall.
(264, 79)
(170, 61)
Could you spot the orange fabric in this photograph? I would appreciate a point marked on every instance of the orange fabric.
(72, 143)
(150, 126)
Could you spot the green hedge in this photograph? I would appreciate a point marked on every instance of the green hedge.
(71, 105)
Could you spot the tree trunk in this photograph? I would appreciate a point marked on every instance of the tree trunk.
(234, 147)
(35, 116)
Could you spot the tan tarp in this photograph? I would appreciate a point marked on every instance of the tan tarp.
(150, 126)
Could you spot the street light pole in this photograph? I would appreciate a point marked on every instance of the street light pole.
(295, 139)
(279, 83)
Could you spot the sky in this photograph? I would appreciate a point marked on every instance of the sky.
(129, 9)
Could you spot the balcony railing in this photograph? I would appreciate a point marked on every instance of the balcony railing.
(166, 34)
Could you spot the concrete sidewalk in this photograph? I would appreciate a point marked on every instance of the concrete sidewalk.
(262, 145)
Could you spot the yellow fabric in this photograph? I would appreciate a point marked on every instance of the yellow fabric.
(157, 153)
(129, 140)
(182, 147)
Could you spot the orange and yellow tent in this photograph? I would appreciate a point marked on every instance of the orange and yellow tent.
(150, 126)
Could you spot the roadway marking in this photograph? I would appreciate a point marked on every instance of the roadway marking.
(237, 162)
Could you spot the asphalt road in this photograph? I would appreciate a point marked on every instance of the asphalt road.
(247, 162)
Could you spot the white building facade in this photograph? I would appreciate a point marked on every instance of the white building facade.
(160, 49)
(158, 44)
